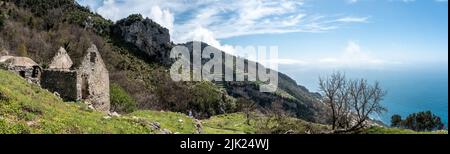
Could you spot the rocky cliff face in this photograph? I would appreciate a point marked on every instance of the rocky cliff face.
(146, 35)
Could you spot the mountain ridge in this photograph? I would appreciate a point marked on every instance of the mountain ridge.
(136, 51)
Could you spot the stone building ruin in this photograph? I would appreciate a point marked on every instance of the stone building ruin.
(88, 82)
(24, 66)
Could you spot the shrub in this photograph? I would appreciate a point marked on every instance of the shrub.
(396, 121)
(3, 97)
(2, 20)
(422, 121)
(121, 101)
(22, 49)
(207, 100)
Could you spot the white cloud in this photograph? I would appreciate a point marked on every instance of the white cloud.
(404, 1)
(287, 62)
(92, 4)
(352, 1)
(353, 56)
(163, 17)
(354, 19)
(212, 20)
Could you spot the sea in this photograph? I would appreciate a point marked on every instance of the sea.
(409, 90)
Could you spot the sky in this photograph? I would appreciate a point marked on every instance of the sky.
(310, 34)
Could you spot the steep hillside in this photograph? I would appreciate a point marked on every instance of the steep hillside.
(26, 108)
(132, 69)
(135, 51)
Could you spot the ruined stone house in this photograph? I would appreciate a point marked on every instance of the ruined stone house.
(88, 82)
(23, 66)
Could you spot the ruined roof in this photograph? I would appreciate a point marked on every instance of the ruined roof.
(4, 58)
(18, 61)
(92, 57)
(61, 60)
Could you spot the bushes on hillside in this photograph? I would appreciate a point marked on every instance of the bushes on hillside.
(2, 20)
(247, 107)
(41, 7)
(22, 50)
(202, 99)
(121, 101)
(3, 97)
(422, 121)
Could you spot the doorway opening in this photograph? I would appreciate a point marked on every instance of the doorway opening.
(84, 87)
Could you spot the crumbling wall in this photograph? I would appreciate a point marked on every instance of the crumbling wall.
(65, 83)
(95, 80)
(61, 60)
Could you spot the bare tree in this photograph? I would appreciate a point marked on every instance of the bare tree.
(247, 107)
(366, 100)
(351, 102)
(331, 87)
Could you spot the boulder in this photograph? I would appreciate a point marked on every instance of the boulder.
(114, 114)
(166, 131)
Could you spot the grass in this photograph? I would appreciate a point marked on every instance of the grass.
(175, 122)
(228, 124)
(384, 130)
(27, 109)
(237, 124)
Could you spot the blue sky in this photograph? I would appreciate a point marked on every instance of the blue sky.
(310, 34)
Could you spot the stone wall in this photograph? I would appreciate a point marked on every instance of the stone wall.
(95, 80)
(65, 83)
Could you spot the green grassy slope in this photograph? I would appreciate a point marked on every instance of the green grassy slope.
(383, 130)
(228, 124)
(237, 124)
(26, 108)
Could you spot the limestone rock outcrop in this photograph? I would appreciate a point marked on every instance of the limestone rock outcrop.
(146, 35)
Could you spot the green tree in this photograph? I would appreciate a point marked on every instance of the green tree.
(247, 107)
(31, 22)
(423, 121)
(207, 100)
(2, 20)
(396, 120)
(22, 50)
(121, 101)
